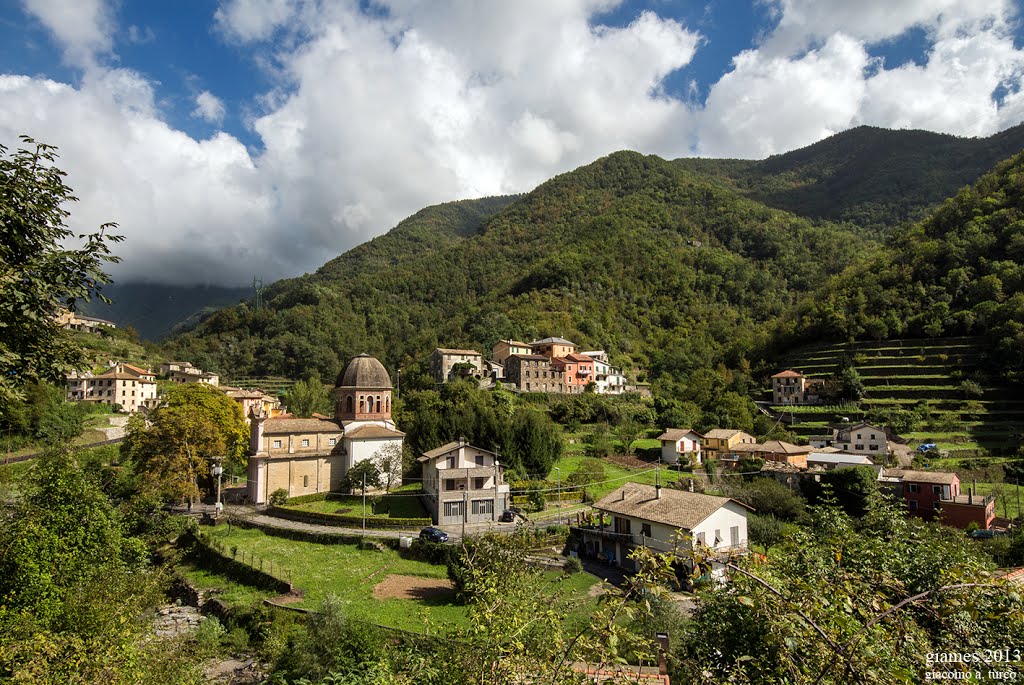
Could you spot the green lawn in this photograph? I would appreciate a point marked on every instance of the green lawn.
(614, 474)
(1010, 489)
(232, 593)
(396, 505)
(351, 574)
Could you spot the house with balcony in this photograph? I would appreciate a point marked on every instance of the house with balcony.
(608, 379)
(719, 442)
(858, 438)
(638, 515)
(680, 444)
(463, 484)
(936, 495)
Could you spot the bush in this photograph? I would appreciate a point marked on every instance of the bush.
(572, 566)
(279, 497)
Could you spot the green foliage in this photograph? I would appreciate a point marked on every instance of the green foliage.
(769, 497)
(766, 531)
(39, 273)
(307, 397)
(279, 497)
(195, 425)
(363, 474)
(897, 589)
(851, 487)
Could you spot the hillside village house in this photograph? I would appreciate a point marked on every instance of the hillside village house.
(463, 484)
(933, 494)
(722, 440)
(637, 515)
(444, 360)
(193, 375)
(73, 321)
(124, 385)
(503, 349)
(533, 373)
(826, 461)
(792, 387)
(773, 450)
(608, 379)
(253, 402)
(577, 369)
(553, 347)
(305, 456)
(859, 438)
(680, 444)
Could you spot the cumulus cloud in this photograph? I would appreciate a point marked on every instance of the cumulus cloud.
(83, 27)
(209, 107)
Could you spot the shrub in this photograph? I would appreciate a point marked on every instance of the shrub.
(279, 497)
(572, 565)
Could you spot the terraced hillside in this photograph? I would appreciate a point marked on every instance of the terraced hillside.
(936, 387)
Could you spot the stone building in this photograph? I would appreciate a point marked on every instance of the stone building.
(444, 360)
(306, 456)
(533, 373)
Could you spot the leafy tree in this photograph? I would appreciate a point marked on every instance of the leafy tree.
(851, 387)
(39, 274)
(307, 397)
(628, 432)
(195, 425)
(536, 443)
(766, 531)
(852, 487)
(600, 442)
(363, 473)
(389, 460)
(769, 497)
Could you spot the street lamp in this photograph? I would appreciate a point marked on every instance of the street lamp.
(559, 494)
(218, 471)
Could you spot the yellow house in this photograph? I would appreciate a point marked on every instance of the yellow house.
(720, 440)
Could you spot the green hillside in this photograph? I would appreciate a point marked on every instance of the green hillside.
(669, 272)
(872, 177)
(933, 390)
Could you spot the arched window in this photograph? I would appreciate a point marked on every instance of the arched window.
(387, 404)
(378, 404)
(362, 404)
(348, 404)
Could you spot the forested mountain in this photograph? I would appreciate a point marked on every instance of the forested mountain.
(959, 272)
(871, 177)
(668, 271)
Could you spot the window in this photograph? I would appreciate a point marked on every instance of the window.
(277, 444)
(332, 441)
(479, 460)
(305, 481)
(622, 525)
(348, 404)
(453, 508)
(913, 488)
(700, 538)
(873, 447)
(912, 504)
(734, 536)
(858, 436)
(483, 506)
(451, 462)
(645, 529)
(454, 484)
(305, 442)
(479, 483)
(718, 536)
(859, 447)
(937, 490)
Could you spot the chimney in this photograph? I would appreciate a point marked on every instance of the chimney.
(662, 640)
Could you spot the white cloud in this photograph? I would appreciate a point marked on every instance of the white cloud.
(250, 20)
(82, 27)
(209, 107)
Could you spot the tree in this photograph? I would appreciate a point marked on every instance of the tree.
(766, 531)
(769, 497)
(851, 387)
(195, 425)
(363, 473)
(307, 397)
(627, 432)
(536, 443)
(853, 487)
(39, 274)
(389, 460)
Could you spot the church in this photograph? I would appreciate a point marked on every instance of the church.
(306, 456)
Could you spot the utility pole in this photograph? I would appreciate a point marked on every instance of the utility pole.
(364, 505)
(559, 494)
(218, 471)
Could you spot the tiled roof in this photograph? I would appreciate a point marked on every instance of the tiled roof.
(676, 508)
(788, 373)
(447, 350)
(780, 466)
(855, 459)
(293, 425)
(531, 357)
(937, 477)
(721, 433)
(121, 376)
(136, 370)
(450, 447)
(783, 447)
(574, 357)
(514, 343)
(372, 431)
(677, 433)
(553, 341)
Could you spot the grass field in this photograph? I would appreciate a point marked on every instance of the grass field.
(351, 574)
(1010, 499)
(232, 593)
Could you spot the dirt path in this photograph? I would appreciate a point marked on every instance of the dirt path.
(412, 587)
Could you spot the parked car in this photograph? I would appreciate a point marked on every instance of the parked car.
(432, 534)
(507, 516)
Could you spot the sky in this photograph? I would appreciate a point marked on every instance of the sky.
(239, 138)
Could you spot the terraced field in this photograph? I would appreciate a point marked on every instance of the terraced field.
(905, 373)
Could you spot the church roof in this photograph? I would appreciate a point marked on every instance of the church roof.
(291, 425)
(372, 431)
(364, 371)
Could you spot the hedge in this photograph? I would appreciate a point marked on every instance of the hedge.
(346, 519)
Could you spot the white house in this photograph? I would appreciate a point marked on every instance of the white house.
(638, 515)
(858, 438)
(608, 379)
(463, 484)
(680, 443)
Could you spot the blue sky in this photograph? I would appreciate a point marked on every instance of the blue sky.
(235, 137)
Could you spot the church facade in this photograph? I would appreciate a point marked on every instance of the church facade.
(307, 456)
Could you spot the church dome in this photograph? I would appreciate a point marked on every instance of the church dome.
(364, 371)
